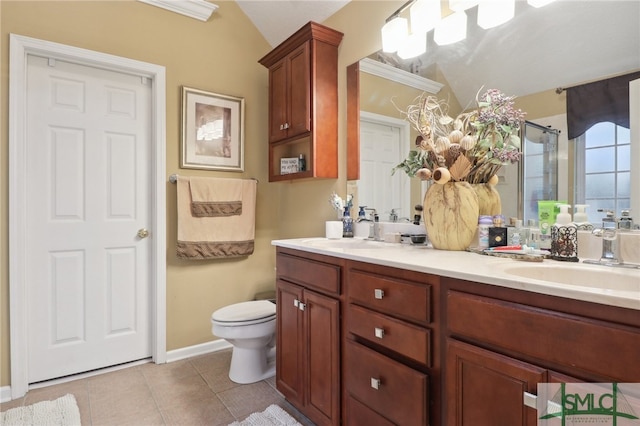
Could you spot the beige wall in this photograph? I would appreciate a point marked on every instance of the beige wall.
(220, 56)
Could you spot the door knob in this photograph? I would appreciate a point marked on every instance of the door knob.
(143, 233)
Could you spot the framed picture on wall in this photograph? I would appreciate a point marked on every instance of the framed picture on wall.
(212, 131)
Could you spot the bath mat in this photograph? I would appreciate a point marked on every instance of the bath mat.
(62, 412)
(272, 416)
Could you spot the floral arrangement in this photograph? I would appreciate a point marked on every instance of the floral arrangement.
(471, 147)
(339, 204)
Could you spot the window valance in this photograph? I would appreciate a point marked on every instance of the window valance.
(591, 103)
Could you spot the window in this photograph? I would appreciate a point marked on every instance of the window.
(603, 169)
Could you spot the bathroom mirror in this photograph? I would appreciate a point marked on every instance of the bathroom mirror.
(541, 49)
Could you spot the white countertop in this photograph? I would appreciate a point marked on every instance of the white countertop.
(591, 283)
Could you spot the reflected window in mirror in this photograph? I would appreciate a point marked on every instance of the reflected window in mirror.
(603, 169)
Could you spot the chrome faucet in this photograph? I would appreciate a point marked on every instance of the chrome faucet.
(609, 244)
(374, 228)
(393, 216)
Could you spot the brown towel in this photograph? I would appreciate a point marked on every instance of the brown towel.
(219, 236)
(215, 197)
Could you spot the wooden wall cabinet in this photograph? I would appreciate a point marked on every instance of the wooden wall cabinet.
(303, 102)
(308, 336)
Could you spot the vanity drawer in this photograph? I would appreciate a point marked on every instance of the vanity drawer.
(321, 276)
(359, 414)
(399, 336)
(386, 386)
(400, 298)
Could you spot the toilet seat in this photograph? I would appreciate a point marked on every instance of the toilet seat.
(245, 313)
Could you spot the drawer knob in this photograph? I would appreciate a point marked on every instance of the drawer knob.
(378, 293)
(375, 383)
(379, 332)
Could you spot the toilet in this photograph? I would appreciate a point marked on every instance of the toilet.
(250, 327)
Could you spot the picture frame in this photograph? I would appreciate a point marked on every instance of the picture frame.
(212, 131)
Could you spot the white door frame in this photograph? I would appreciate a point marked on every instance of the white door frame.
(20, 47)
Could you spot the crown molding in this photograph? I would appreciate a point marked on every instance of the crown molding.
(379, 69)
(198, 9)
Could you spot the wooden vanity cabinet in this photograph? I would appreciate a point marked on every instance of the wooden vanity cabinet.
(389, 353)
(308, 334)
(500, 343)
(303, 102)
(366, 344)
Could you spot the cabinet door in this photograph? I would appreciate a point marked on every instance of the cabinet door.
(278, 100)
(290, 342)
(322, 317)
(299, 114)
(486, 388)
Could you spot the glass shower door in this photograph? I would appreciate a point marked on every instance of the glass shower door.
(538, 168)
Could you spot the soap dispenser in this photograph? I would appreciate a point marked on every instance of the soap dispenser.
(347, 223)
(581, 219)
(564, 236)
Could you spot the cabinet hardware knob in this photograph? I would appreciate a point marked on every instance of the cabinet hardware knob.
(375, 383)
(378, 293)
(529, 399)
(296, 302)
(379, 332)
(286, 126)
(301, 306)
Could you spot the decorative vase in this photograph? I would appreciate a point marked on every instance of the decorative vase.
(451, 215)
(489, 203)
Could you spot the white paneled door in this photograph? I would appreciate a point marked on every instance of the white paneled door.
(381, 149)
(88, 200)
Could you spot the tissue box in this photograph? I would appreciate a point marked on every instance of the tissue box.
(288, 166)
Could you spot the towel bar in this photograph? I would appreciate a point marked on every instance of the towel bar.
(174, 178)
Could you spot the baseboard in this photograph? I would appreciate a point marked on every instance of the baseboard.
(195, 350)
(174, 355)
(5, 394)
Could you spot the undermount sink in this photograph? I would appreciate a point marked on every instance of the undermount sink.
(345, 243)
(579, 275)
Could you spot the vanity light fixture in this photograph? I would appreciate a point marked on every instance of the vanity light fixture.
(451, 29)
(414, 45)
(539, 3)
(425, 15)
(394, 33)
(492, 13)
(460, 5)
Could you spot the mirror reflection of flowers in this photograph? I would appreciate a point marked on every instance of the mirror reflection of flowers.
(472, 147)
(339, 204)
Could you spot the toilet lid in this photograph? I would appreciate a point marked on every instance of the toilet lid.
(245, 311)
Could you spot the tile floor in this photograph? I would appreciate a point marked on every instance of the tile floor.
(195, 391)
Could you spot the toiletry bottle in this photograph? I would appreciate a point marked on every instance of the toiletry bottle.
(347, 224)
(498, 232)
(302, 163)
(484, 223)
(518, 235)
(581, 219)
(564, 236)
(418, 215)
(533, 240)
